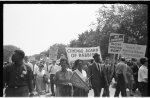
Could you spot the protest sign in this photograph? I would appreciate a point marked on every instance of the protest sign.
(53, 53)
(85, 53)
(133, 51)
(78, 82)
(115, 43)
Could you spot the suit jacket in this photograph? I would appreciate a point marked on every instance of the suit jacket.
(98, 79)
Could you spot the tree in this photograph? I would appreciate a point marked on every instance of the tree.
(8, 51)
(131, 20)
(61, 50)
(74, 43)
(128, 19)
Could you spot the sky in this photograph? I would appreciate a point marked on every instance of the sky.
(35, 27)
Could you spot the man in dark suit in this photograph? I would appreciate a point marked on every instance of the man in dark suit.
(98, 79)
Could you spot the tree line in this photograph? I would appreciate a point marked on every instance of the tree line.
(128, 19)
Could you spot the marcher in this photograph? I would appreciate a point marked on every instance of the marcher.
(109, 73)
(18, 77)
(40, 83)
(34, 73)
(47, 68)
(121, 78)
(98, 78)
(79, 92)
(143, 77)
(53, 69)
(130, 78)
(62, 80)
(135, 69)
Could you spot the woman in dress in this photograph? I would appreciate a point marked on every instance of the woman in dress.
(62, 80)
(79, 92)
(39, 74)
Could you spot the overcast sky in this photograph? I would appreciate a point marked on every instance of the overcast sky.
(35, 27)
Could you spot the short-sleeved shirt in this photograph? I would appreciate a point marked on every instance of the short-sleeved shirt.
(142, 74)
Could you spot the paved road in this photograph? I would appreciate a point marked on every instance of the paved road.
(91, 93)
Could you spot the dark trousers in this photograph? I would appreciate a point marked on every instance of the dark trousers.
(120, 86)
(97, 91)
(135, 85)
(17, 92)
(52, 83)
(106, 92)
(34, 82)
(143, 89)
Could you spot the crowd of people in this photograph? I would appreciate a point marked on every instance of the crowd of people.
(21, 77)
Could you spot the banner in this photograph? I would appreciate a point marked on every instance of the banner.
(53, 53)
(133, 51)
(115, 43)
(78, 82)
(82, 53)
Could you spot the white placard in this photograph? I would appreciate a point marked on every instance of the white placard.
(82, 53)
(115, 43)
(133, 51)
(53, 53)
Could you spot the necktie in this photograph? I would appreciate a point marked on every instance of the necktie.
(99, 68)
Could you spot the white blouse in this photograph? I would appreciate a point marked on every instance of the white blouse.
(38, 73)
(82, 75)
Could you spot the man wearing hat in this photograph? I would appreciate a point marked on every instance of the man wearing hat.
(121, 78)
(18, 76)
(98, 79)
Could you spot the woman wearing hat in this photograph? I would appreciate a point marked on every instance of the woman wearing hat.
(62, 80)
(40, 84)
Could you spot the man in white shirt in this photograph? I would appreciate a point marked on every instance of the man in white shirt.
(53, 69)
(143, 77)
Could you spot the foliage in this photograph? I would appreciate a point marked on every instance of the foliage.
(130, 20)
(8, 51)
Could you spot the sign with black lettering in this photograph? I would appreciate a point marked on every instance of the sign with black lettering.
(115, 43)
(133, 51)
(82, 53)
